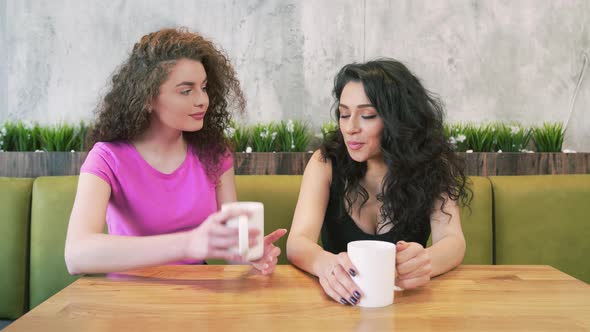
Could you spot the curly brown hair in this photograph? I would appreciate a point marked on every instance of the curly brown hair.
(123, 114)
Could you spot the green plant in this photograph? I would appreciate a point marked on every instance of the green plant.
(512, 137)
(20, 136)
(481, 138)
(264, 137)
(2, 137)
(549, 137)
(456, 135)
(328, 129)
(293, 136)
(239, 136)
(62, 137)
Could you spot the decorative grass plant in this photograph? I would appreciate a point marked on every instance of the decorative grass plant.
(512, 137)
(549, 137)
(456, 135)
(264, 137)
(293, 136)
(239, 136)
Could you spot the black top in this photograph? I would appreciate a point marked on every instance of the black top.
(339, 228)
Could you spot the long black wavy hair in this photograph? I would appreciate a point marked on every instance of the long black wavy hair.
(421, 164)
(123, 114)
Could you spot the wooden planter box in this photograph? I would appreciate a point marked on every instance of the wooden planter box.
(34, 164)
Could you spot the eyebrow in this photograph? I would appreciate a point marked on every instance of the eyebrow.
(190, 83)
(185, 83)
(359, 106)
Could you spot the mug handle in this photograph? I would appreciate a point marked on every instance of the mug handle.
(243, 236)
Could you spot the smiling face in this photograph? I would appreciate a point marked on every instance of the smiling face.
(182, 101)
(360, 124)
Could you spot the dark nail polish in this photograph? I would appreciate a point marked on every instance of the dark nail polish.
(353, 300)
(357, 294)
(352, 272)
(343, 301)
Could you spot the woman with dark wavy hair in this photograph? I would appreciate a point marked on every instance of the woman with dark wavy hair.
(386, 174)
(159, 167)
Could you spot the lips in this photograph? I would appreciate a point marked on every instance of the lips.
(353, 145)
(198, 116)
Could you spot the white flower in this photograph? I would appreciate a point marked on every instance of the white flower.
(292, 146)
(568, 151)
(38, 150)
(290, 126)
(500, 151)
(514, 130)
(3, 131)
(248, 149)
(461, 138)
(469, 151)
(319, 135)
(273, 136)
(453, 140)
(72, 151)
(263, 134)
(230, 132)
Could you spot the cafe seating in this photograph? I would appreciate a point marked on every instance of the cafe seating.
(512, 220)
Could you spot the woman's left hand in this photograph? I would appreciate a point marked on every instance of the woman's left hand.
(268, 262)
(412, 264)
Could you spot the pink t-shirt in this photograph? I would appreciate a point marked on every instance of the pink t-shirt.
(145, 201)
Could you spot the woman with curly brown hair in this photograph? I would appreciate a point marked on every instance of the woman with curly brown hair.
(159, 167)
(387, 174)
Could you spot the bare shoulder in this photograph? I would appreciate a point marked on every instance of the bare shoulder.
(318, 167)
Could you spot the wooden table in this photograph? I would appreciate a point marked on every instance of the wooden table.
(224, 298)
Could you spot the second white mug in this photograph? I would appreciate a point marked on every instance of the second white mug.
(375, 264)
(243, 223)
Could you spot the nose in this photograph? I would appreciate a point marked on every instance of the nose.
(201, 100)
(352, 126)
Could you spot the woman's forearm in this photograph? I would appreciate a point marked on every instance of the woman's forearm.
(306, 254)
(103, 253)
(446, 254)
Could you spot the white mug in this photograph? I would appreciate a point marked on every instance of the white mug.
(243, 223)
(375, 265)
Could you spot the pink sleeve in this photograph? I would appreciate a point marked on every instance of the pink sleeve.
(227, 161)
(101, 163)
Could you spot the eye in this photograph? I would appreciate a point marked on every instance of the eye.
(344, 116)
(204, 88)
(186, 92)
(367, 117)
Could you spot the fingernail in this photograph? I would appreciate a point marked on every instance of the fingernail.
(357, 294)
(353, 300)
(343, 301)
(352, 272)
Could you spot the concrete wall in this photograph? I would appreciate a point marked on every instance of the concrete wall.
(488, 60)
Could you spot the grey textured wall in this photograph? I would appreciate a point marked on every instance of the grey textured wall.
(488, 60)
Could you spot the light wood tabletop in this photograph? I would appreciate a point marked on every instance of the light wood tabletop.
(233, 297)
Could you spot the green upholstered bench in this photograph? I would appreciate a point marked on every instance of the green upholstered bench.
(545, 220)
(15, 206)
(39, 210)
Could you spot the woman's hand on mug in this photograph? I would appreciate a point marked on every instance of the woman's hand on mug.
(335, 278)
(268, 262)
(413, 265)
(213, 239)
